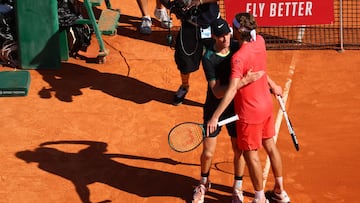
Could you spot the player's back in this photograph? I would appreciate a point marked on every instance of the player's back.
(254, 100)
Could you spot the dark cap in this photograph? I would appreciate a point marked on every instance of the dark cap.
(220, 27)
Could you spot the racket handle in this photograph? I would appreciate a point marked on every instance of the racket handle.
(288, 123)
(228, 120)
(281, 102)
(296, 144)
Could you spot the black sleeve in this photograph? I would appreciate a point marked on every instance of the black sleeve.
(208, 66)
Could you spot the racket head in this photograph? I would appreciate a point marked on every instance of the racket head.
(186, 136)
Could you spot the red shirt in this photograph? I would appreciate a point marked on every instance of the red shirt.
(253, 102)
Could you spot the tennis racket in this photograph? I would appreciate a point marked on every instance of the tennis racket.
(187, 136)
(288, 123)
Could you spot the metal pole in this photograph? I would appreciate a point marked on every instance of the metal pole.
(341, 28)
(301, 33)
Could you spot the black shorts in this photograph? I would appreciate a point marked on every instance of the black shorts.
(189, 48)
(230, 127)
(210, 106)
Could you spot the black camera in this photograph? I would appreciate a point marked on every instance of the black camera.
(178, 7)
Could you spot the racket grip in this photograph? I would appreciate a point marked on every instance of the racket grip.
(281, 102)
(228, 120)
(296, 144)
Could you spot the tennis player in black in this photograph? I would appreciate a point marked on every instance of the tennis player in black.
(217, 68)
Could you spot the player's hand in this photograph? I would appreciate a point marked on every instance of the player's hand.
(253, 76)
(276, 90)
(211, 126)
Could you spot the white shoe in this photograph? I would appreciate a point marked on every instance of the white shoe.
(145, 27)
(237, 196)
(199, 192)
(162, 15)
(259, 201)
(283, 197)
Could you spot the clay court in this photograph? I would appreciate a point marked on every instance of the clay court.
(98, 132)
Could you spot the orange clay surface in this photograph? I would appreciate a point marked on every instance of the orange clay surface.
(98, 132)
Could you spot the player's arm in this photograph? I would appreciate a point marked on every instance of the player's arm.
(250, 77)
(226, 100)
(274, 88)
(219, 90)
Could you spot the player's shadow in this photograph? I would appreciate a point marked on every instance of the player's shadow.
(92, 165)
(68, 81)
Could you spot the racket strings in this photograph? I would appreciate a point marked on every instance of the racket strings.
(186, 137)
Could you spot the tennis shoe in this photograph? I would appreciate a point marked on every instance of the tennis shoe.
(237, 196)
(145, 27)
(280, 198)
(162, 15)
(199, 192)
(180, 95)
(259, 201)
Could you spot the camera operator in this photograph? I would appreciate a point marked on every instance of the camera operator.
(195, 32)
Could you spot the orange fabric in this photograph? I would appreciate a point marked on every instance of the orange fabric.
(253, 103)
(250, 136)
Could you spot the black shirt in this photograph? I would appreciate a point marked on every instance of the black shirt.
(217, 67)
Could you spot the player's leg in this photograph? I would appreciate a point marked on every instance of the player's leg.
(209, 145)
(162, 15)
(145, 27)
(143, 5)
(250, 140)
(239, 167)
(278, 194)
(239, 162)
(275, 160)
(255, 171)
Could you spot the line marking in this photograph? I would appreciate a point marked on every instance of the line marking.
(279, 116)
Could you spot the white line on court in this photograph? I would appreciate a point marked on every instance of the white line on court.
(279, 116)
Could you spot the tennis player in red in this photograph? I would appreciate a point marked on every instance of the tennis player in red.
(254, 106)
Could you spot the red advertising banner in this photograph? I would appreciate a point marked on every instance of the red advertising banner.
(282, 13)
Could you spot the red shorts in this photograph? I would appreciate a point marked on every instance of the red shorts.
(250, 136)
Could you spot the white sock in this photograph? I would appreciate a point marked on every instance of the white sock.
(259, 195)
(238, 185)
(279, 181)
(161, 9)
(203, 180)
(148, 17)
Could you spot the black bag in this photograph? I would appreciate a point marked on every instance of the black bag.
(81, 38)
(79, 35)
(8, 36)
